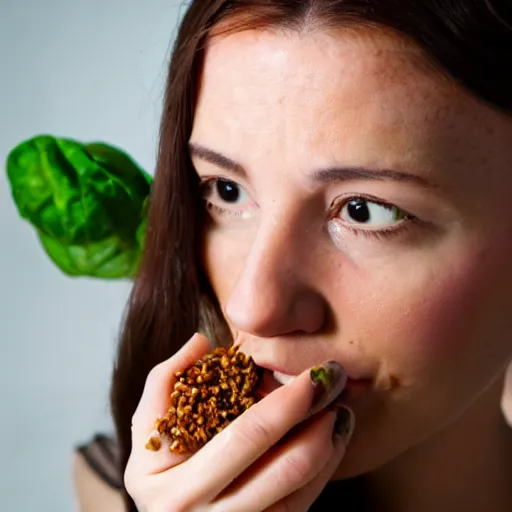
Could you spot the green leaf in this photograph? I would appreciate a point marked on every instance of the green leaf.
(140, 235)
(85, 200)
(108, 259)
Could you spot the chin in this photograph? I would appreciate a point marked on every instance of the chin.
(360, 460)
(378, 442)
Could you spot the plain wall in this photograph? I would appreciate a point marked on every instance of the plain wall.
(89, 70)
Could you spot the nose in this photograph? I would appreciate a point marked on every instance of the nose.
(273, 295)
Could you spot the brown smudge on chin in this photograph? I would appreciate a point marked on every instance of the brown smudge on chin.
(394, 382)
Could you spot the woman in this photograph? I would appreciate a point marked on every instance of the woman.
(333, 184)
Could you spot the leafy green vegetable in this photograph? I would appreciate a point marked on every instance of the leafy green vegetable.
(141, 230)
(106, 259)
(87, 202)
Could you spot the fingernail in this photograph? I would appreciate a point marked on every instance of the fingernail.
(328, 380)
(345, 423)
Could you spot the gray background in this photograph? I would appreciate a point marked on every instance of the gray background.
(89, 70)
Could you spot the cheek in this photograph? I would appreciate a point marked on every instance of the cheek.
(223, 261)
(433, 318)
(463, 309)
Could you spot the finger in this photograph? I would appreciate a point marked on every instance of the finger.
(303, 498)
(284, 469)
(253, 433)
(154, 403)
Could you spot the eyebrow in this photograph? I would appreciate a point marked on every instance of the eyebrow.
(331, 174)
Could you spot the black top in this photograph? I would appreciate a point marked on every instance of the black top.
(102, 456)
(343, 496)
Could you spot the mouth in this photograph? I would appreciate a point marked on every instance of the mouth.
(273, 379)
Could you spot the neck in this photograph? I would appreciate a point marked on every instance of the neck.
(466, 467)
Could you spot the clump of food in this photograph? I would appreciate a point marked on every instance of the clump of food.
(206, 398)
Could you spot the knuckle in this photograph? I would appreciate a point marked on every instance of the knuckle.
(176, 506)
(155, 494)
(129, 483)
(155, 375)
(135, 416)
(303, 462)
(130, 479)
(181, 503)
(289, 504)
(253, 432)
(298, 467)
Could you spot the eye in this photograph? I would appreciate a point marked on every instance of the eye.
(228, 191)
(364, 212)
(225, 197)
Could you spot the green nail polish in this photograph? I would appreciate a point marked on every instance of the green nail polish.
(345, 422)
(328, 381)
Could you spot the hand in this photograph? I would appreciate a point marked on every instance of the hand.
(275, 457)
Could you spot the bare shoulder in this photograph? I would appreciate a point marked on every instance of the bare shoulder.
(97, 489)
(93, 494)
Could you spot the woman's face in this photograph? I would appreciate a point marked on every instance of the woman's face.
(359, 211)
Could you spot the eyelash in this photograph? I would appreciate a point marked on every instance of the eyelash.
(221, 211)
(405, 225)
(207, 185)
(384, 233)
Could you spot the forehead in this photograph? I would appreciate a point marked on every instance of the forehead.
(353, 70)
(370, 99)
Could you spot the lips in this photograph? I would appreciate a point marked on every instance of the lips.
(292, 358)
(272, 380)
(268, 384)
(282, 363)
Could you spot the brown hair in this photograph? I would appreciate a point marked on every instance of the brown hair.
(467, 39)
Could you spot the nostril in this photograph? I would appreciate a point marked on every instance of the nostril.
(259, 317)
(275, 310)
